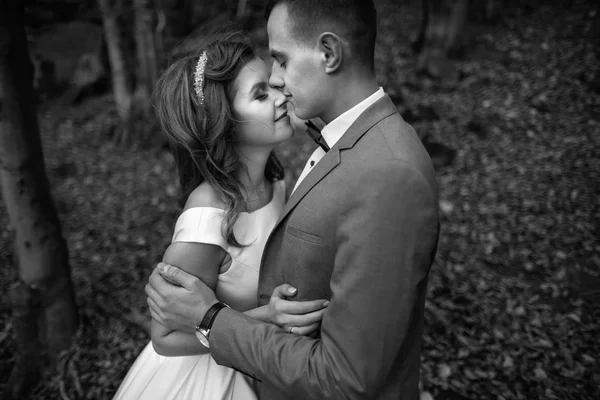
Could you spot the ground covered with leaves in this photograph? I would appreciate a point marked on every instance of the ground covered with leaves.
(512, 307)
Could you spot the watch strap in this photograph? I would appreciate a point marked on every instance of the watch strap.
(210, 315)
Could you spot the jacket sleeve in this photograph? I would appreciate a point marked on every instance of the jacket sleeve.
(386, 232)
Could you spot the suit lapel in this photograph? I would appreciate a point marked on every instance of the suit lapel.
(320, 171)
(381, 109)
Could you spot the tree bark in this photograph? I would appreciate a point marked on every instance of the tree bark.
(241, 9)
(443, 25)
(121, 78)
(487, 11)
(133, 101)
(44, 310)
(161, 30)
(146, 53)
(442, 35)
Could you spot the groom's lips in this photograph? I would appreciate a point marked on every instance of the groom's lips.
(281, 116)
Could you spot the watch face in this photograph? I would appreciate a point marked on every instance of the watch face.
(201, 335)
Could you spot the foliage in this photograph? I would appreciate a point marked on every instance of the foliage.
(511, 310)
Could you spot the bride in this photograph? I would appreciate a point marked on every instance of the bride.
(223, 122)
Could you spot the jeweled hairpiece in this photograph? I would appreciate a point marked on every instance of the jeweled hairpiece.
(199, 77)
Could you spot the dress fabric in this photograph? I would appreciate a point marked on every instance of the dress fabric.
(199, 377)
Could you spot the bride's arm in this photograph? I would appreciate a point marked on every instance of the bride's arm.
(203, 261)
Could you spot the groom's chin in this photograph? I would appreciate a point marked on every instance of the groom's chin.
(294, 113)
(297, 122)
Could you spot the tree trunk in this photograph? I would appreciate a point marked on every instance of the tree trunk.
(442, 35)
(121, 78)
(146, 53)
(241, 9)
(161, 29)
(487, 11)
(45, 314)
(443, 25)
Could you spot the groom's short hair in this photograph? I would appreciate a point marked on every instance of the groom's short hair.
(355, 20)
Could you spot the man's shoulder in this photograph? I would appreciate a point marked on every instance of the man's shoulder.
(398, 135)
(391, 139)
(391, 149)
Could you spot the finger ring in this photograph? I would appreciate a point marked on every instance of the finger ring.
(291, 329)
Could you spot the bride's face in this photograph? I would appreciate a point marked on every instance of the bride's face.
(260, 111)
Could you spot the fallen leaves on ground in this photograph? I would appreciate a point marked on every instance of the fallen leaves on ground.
(511, 310)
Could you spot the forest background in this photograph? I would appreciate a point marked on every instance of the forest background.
(505, 96)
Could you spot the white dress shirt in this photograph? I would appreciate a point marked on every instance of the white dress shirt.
(333, 131)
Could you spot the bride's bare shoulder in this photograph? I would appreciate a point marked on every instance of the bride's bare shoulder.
(204, 196)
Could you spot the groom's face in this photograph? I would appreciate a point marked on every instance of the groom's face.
(297, 67)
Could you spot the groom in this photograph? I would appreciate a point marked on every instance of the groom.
(360, 228)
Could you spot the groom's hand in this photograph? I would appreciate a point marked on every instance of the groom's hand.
(177, 299)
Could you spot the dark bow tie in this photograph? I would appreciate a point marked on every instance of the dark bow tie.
(315, 135)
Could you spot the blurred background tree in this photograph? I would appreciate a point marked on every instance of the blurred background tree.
(136, 36)
(445, 33)
(133, 80)
(44, 310)
(145, 28)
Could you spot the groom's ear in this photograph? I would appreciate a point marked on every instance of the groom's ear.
(332, 51)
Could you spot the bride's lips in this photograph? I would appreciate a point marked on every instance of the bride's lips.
(285, 114)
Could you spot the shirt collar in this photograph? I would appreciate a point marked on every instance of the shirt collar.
(333, 131)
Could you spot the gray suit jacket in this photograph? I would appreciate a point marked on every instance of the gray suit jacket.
(362, 230)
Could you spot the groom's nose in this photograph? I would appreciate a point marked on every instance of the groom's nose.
(276, 79)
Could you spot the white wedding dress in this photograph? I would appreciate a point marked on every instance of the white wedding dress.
(154, 377)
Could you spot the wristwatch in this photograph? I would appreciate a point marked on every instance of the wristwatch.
(203, 329)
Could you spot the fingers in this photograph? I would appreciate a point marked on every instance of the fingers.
(156, 301)
(152, 294)
(156, 281)
(305, 319)
(299, 320)
(155, 311)
(301, 330)
(153, 301)
(176, 276)
(162, 315)
(283, 291)
(301, 307)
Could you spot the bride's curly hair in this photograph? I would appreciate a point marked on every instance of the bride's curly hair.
(202, 137)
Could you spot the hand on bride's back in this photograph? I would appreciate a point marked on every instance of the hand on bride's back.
(297, 317)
